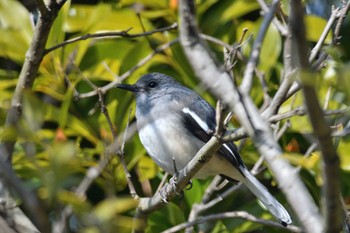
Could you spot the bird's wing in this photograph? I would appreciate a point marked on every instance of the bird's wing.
(199, 118)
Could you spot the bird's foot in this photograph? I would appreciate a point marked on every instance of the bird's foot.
(189, 185)
(173, 182)
(163, 193)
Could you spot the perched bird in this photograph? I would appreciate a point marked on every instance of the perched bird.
(175, 122)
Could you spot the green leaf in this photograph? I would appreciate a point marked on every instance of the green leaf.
(57, 34)
(101, 17)
(239, 8)
(314, 28)
(79, 204)
(147, 168)
(64, 111)
(16, 30)
(271, 49)
(108, 208)
(165, 218)
(343, 150)
(195, 194)
(32, 115)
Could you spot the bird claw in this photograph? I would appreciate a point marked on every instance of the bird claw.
(163, 191)
(173, 183)
(190, 185)
(163, 194)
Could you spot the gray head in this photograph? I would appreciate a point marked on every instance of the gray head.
(150, 85)
(153, 87)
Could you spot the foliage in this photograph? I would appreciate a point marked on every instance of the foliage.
(60, 135)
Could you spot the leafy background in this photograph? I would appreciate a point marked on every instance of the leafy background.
(61, 136)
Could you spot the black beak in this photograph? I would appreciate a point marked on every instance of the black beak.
(127, 87)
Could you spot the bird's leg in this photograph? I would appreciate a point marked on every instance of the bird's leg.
(175, 168)
(174, 179)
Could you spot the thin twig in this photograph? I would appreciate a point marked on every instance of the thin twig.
(33, 59)
(236, 214)
(324, 34)
(220, 127)
(142, 62)
(237, 134)
(124, 33)
(255, 53)
(144, 29)
(344, 12)
(122, 160)
(280, 27)
(328, 96)
(42, 7)
(162, 182)
(333, 218)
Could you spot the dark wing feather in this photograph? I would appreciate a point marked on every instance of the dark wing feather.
(207, 113)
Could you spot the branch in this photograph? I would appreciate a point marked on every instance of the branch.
(340, 22)
(236, 214)
(124, 33)
(324, 34)
(282, 28)
(184, 176)
(289, 76)
(215, 185)
(333, 217)
(119, 79)
(254, 56)
(29, 200)
(29, 70)
(219, 83)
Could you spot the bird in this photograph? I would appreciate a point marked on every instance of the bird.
(174, 123)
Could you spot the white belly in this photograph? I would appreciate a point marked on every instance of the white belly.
(167, 144)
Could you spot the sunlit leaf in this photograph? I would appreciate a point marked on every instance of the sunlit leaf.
(343, 150)
(64, 111)
(168, 216)
(57, 34)
(108, 208)
(32, 115)
(16, 30)
(314, 28)
(148, 169)
(78, 203)
(270, 49)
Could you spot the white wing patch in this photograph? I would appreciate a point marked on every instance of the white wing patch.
(199, 121)
(228, 148)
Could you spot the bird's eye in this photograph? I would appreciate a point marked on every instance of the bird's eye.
(152, 84)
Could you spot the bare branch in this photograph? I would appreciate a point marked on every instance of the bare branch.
(344, 12)
(333, 217)
(254, 56)
(236, 214)
(124, 33)
(44, 11)
(34, 56)
(324, 34)
(119, 79)
(184, 176)
(91, 174)
(35, 210)
(219, 83)
(281, 28)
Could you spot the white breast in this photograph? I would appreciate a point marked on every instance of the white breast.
(164, 141)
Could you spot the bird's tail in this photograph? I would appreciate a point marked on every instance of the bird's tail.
(260, 191)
